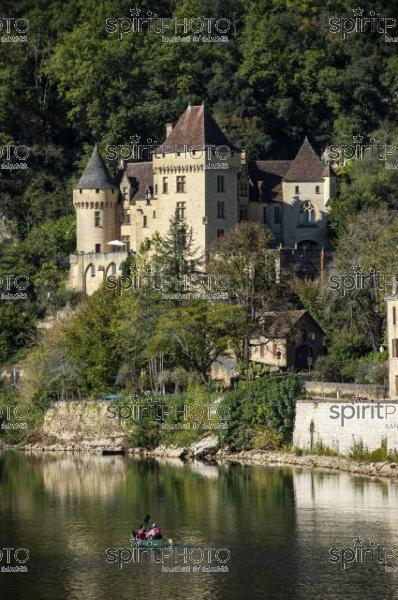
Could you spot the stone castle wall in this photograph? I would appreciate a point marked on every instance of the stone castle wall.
(338, 424)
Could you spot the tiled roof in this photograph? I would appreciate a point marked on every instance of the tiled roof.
(140, 175)
(306, 166)
(95, 175)
(277, 324)
(196, 127)
(266, 178)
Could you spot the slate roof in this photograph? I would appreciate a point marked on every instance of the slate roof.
(95, 175)
(306, 166)
(140, 175)
(277, 324)
(266, 179)
(196, 127)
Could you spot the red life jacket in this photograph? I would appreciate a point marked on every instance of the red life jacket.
(156, 532)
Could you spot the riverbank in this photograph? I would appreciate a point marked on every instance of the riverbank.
(208, 450)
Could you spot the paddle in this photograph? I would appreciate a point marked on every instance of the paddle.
(146, 521)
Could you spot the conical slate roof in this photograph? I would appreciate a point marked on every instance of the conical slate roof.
(95, 175)
(196, 127)
(306, 166)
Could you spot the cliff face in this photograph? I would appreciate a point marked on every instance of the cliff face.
(82, 425)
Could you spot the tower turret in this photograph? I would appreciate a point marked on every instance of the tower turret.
(95, 200)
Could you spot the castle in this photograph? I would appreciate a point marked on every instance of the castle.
(187, 175)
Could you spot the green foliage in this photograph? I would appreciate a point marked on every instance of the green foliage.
(360, 452)
(258, 406)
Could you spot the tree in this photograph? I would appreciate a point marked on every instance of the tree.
(174, 256)
(194, 336)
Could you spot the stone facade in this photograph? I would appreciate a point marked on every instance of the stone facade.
(200, 175)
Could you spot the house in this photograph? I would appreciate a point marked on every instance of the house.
(289, 339)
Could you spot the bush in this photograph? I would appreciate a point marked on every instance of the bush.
(263, 405)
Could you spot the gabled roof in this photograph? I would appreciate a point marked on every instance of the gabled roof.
(277, 324)
(196, 127)
(266, 178)
(95, 175)
(140, 175)
(306, 166)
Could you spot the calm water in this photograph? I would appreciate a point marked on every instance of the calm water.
(278, 525)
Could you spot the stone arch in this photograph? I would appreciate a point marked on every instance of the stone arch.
(89, 279)
(110, 269)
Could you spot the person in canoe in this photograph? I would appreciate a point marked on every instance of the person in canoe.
(155, 533)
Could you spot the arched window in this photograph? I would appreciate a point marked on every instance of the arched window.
(307, 214)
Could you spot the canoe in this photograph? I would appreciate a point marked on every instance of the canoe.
(147, 543)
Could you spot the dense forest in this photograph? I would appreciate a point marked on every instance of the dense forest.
(282, 75)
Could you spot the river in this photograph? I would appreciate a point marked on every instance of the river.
(239, 532)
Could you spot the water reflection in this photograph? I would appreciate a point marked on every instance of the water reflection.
(278, 523)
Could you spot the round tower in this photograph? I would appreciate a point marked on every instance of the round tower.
(95, 199)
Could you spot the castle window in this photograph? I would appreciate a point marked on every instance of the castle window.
(220, 210)
(97, 218)
(243, 188)
(395, 348)
(165, 185)
(317, 189)
(277, 215)
(180, 183)
(80, 191)
(220, 232)
(97, 248)
(145, 221)
(243, 213)
(220, 183)
(125, 192)
(307, 214)
(264, 214)
(126, 240)
(394, 316)
(297, 189)
(97, 191)
(156, 189)
(154, 214)
(180, 210)
(126, 217)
